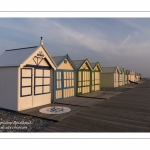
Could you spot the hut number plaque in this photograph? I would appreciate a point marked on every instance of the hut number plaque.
(40, 54)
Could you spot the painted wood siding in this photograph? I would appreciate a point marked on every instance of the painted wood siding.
(9, 88)
(107, 80)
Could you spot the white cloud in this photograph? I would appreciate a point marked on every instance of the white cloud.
(126, 39)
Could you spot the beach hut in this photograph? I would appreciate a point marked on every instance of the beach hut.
(136, 77)
(132, 76)
(120, 77)
(109, 77)
(64, 77)
(95, 81)
(83, 76)
(26, 78)
(128, 76)
(123, 75)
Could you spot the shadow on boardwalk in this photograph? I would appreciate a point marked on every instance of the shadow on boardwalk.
(126, 112)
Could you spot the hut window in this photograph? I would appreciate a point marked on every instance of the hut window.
(42, 81)
(26, 82)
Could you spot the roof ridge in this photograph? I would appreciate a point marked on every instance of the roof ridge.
(21, 48)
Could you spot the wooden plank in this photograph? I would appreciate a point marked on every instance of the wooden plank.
(92, 122)
(115, 119)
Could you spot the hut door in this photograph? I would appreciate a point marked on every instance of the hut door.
(85, 82)
(68, 79)
(42, 91)
(83, 85)
(95, 81)
(64, 84)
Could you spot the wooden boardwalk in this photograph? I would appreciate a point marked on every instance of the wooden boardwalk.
(101, 94)
(125, 112)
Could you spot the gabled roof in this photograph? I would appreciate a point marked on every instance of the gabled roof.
(94, 65)
(15, 57)
(79, 63)
(110, 69)
(59, 59)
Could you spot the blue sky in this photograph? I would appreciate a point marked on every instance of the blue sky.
(123, 42)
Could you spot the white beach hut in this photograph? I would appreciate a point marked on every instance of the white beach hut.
(26, 78)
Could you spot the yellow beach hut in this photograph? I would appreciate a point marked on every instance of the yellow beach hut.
(83, 76)
(95, 81)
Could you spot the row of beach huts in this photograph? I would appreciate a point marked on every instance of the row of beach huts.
(30, 77)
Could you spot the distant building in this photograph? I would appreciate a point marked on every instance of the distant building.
(110, 77)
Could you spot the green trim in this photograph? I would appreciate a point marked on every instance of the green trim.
(100, 68)
(83, 63)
